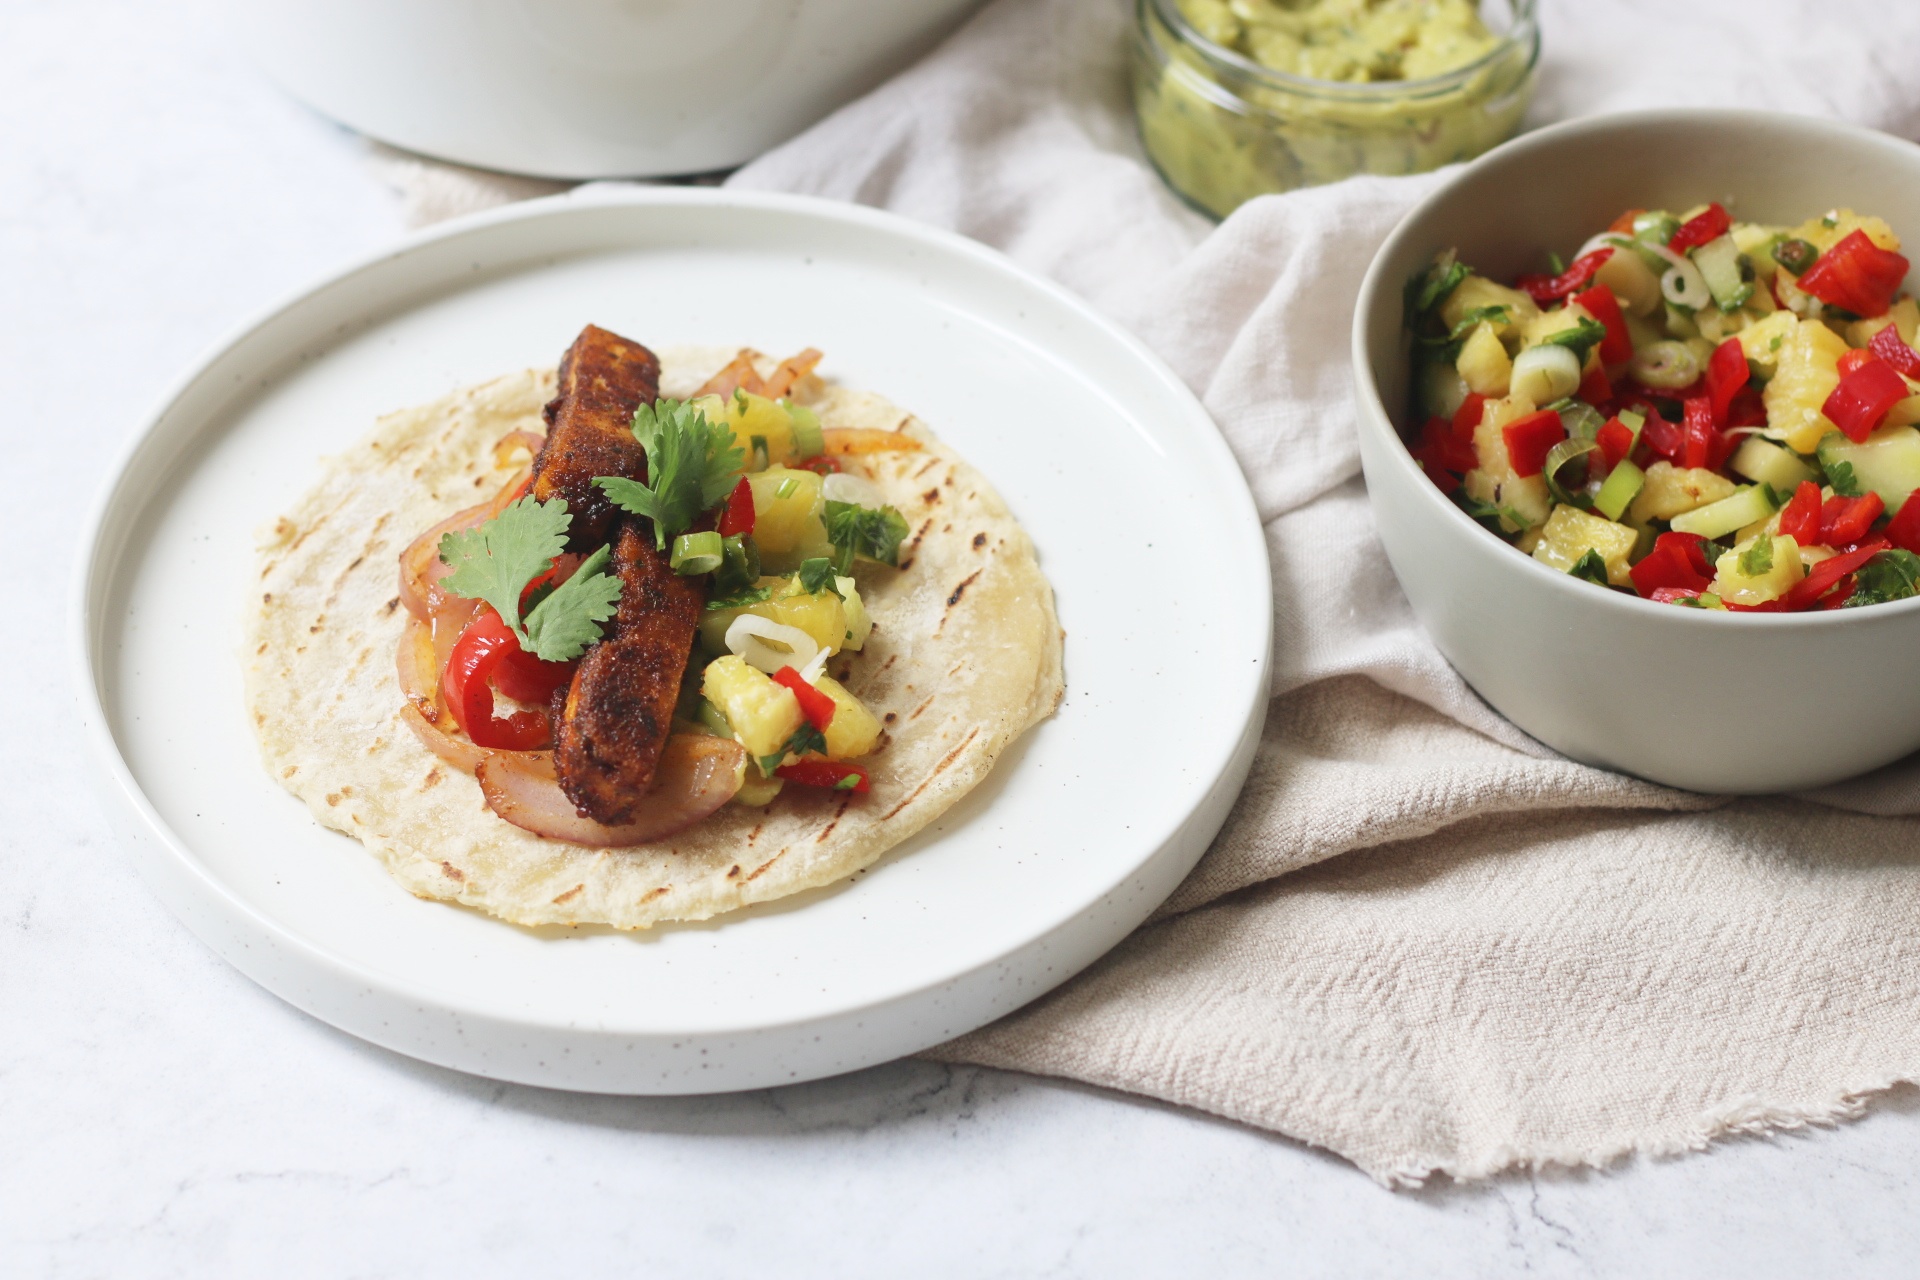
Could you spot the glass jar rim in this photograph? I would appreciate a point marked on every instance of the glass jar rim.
(1524, 31)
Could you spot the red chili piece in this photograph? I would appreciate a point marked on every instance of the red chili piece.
(1853, 359)
(1697, 230)
(1545, 288)
(1468, 415)
(1856, 275)
(1904, 529)
(484, 645)
(1599, 302)
(1531, 439)
(1844, 521)
(825, 773)
(1800, 518)
(1891, 347)
(1614, 439)
(816, 706)
(1747, 409)
(1828, 572)
(1697, 423)
(1677, 560)
(1726, 375)
(1662, 437)
(1863, 397)
(738, 517)
(1596, 389)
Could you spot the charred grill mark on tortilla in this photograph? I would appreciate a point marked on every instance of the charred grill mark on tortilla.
(603, 379)
(619, 708)
(938, 769)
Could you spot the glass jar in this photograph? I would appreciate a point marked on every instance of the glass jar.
(1221, 128)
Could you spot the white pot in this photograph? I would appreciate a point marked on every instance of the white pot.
(587, 88)
(1693, 698)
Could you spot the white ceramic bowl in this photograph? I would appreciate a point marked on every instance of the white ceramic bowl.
(1697, 699)
(587, 88)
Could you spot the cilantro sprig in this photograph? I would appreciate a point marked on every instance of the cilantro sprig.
(692, 464)
(871, 534)
(1758, 558)
(496, 561)
(1580, 339)
(1590, 568)
(1891, 575)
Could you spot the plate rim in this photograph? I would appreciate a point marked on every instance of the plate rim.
(103, 530)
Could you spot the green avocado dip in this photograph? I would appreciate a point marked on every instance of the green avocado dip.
(1238, 98)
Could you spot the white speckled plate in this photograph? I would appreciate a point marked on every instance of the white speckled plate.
(1143, 523)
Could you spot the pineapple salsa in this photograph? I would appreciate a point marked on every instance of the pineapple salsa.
(1708, 413)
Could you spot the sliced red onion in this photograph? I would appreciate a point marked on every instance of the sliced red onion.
(697, 774)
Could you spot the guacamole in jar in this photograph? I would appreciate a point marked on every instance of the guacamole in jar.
(1238, 98)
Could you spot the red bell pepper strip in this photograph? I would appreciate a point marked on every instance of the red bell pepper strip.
(1531, 439)
(1828, 572)
(1697, 424)
(1844, 521)
(1667, 595)
(1904, 529)
(1852, 360)
(1596, 389)
(1700, 228)
(1599, 302)
(1545, 288)
(1661, 436)
(1747, 409)
(834, 774)
(1443, 445)
(816, 706)
(1614, 439)
(1726, 375)
(1677, 560)
(1842, 590)
(1863, 397)
(1856, 275)
(1468, 415)
(1891, 347)
(477, 655)
(1800, 518)
(738, 517)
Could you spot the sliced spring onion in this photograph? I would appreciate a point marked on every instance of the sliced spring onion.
(1795, 255)
(844, 486)
(697, 553)
(757, 458)
(787, 489)
(713, 719)
(768, 645)
(808, 440)
(739, 564)
(1545, 373)
(1667, 365)
(1655, 226)
(1619, 489)
(1719, 263)
(1581, 419)
(1559, 456)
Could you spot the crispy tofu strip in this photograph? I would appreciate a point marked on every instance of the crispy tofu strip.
(619, 709)
(603, 379)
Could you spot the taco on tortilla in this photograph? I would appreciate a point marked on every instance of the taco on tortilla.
(672, 636)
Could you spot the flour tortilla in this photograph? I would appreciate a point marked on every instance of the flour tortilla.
(965, 656)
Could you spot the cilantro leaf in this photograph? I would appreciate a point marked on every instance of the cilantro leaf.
(691, 465)
(1497, 314)
(1580, 339)
(1840, 476)
(496, 561)
(1891, 575)
(1429, 287)
(562, 626)
(1758, 558)
(806, 738)
(1590, 568)
(817, 575)
(855, 530)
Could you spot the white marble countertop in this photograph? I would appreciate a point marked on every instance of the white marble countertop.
(160, 1115)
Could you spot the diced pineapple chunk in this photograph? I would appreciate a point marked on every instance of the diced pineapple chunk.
(1817, 233)
(763, 714)
(1494, 480)
(1570, 533)
(1632, 281)
(1671, 490)
(748, 416)
(822, 616)
(1806, 372)
(1547, 323)
(1762, 340)
(1734, 585)
(1903, 315)
(1756, 241)
(1483, 363)
(787, 504)
(853, 729)
(1476, 292)
(859, 624)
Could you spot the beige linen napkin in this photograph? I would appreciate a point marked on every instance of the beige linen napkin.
(1422, 940)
